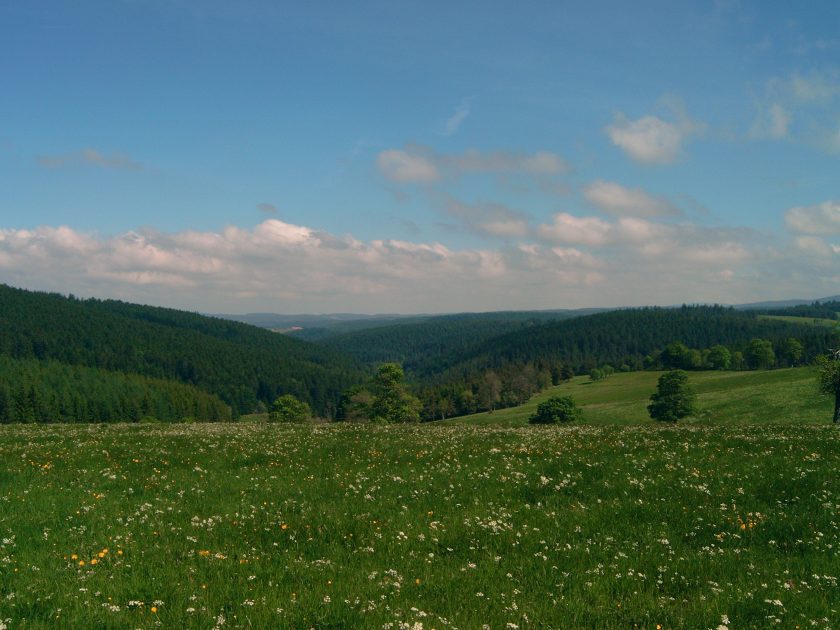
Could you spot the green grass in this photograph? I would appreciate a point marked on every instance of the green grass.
(271, 526)
(759, 397)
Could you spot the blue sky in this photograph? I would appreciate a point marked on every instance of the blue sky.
(420, 156)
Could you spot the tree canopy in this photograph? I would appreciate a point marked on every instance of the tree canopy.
(829, 380)
(556, 409)
(673, 398)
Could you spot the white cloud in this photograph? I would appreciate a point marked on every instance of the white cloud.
(820, 219)
(772, 122)
(818, 87)
(90, 157)
(814, 246)
(799, 108)
(279, 266)
(405, 167)
(596, 232)
(420, 164)
(577, 230)
(652, 140)
(455, 121)
(275, 265)
(618, 200)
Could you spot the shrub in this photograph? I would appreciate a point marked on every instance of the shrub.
(556, 409)
(289, 409)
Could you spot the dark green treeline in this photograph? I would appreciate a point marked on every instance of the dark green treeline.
(48, 391)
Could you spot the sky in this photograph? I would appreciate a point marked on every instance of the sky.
(420, 157)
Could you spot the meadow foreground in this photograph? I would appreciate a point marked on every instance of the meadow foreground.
(117, 526)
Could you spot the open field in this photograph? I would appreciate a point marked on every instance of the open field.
(774, 396)
(226, 525)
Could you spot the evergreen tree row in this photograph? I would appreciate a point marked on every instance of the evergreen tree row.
(48, 391)
(241, 364)
(623, 339)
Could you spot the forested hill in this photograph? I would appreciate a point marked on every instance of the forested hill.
(621, 338)
(239, 363)
(411, 342)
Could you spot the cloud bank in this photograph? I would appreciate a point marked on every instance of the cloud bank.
(569, 262)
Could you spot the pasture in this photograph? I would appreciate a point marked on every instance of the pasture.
(724, 398)
(330, 526)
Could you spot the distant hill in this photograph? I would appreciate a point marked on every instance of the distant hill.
(240, 364)
(623, 337)
(782, 304)
(276, 321)
(321, 327)
(415, 341)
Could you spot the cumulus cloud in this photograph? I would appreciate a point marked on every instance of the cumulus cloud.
(617, 200)
(577, 230)
(642, 239)
(821, 219)
(594, 231)
(420, 164)
(275, 265)
(90, 157)
(650, 139)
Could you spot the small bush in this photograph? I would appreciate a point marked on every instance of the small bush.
(556, 409)
(289, 409)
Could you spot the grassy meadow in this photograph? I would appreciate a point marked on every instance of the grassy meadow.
(419, 527)
(724, 398)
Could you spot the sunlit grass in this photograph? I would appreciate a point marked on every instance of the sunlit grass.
(787, 395)
(272, 526)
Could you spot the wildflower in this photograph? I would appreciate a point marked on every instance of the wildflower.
(154, 609)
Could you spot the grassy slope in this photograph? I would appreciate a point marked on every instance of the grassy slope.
(774, 396)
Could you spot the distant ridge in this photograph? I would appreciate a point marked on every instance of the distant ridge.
(243, 365)
(783, 303)
(350, 322)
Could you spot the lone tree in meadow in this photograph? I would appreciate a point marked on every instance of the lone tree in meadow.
(829, 380)
(287, 408)
(391, 401)
(673, 398)
(556, 409)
